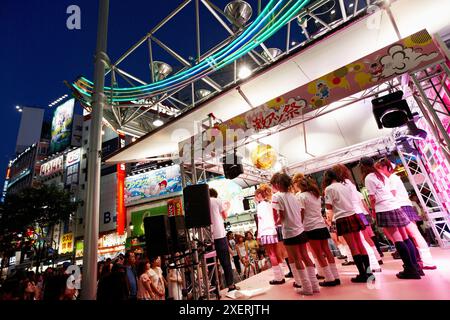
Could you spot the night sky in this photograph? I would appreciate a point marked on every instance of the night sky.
(38, 52)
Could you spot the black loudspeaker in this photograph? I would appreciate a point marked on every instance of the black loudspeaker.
(232, 166)
(391, 111)
(196, 206)
(165, 235)
(246, 203)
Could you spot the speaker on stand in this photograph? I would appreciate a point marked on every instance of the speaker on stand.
(165, 235)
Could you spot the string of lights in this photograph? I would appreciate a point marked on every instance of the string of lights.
(274, 16)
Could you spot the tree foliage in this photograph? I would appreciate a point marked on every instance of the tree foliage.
(30, 211)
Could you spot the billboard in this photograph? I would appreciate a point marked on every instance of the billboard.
(62, 126)
(153, 184)
(73, 166)
(52, 166)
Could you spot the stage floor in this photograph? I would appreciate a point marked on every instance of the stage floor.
(435, 285)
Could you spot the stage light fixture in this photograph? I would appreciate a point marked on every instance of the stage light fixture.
(244, 72)
(391, 111)
(232, 166)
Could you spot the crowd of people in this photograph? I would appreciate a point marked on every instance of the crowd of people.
(51, 285)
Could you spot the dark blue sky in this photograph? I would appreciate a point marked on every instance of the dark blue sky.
(38, 52)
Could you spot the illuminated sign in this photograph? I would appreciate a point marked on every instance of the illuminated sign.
(73, 166)
(66, 243)
(153, 184)
(52, 166)
(62, 126)
(121, 211)
(73, 157)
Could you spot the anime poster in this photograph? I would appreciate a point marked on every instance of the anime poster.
(153, 184)
(230, 193)
(62, 126)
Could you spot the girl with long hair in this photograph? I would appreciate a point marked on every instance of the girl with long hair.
(287, 210)
(360, 207)
(390, 217)
(338, 199)
(146, 289)
(401, 194)
(267, 233)
(315, 227)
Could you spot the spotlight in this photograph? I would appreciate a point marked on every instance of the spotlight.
(244, 72)
(391, 111)
(158, 122)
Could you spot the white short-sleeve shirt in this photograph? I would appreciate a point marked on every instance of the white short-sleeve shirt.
(218, 229)
(313, 211)
(384, 199)
(291, 221)
(266, 222)
(339, 196)
(401, 194)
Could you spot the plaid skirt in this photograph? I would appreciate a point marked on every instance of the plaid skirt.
(412, 214)
(364, 219)
(268, 239)
(349, 224)
(393, 218)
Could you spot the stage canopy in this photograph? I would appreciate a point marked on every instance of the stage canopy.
(348, 124)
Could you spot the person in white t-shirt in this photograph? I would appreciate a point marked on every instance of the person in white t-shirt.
(267, 233)
(218, 215)
(308, 194)
(401, 194)
(338, 199)
(390, 217)
(287, 210)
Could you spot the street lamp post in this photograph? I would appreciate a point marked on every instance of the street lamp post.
(89, 284)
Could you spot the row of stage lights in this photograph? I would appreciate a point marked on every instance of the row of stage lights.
(57, 101)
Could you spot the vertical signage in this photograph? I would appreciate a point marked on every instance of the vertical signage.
(121, 211)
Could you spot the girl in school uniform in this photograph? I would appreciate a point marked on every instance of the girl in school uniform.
(361, 210)
(288, 211)
(390, 217)
(267, 233)
(401, 194)
(315, 227)
(338, 199)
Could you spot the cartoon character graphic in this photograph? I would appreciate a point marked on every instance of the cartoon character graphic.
(155, 190)
(375, 69)
(322, 90)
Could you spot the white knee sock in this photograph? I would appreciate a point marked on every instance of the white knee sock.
(313, 279)
(306, 288)
(374, 265)
(425, 255)
(334, 270)
(295, 273)
(277, 273)
(377, 254)
(328, 274)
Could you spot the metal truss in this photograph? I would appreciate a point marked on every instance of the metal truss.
(435, 110)
(370, 148)
(316, 20)
(430, 202)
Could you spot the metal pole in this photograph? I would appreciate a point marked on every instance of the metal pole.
(94, 156)
(197, 24)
